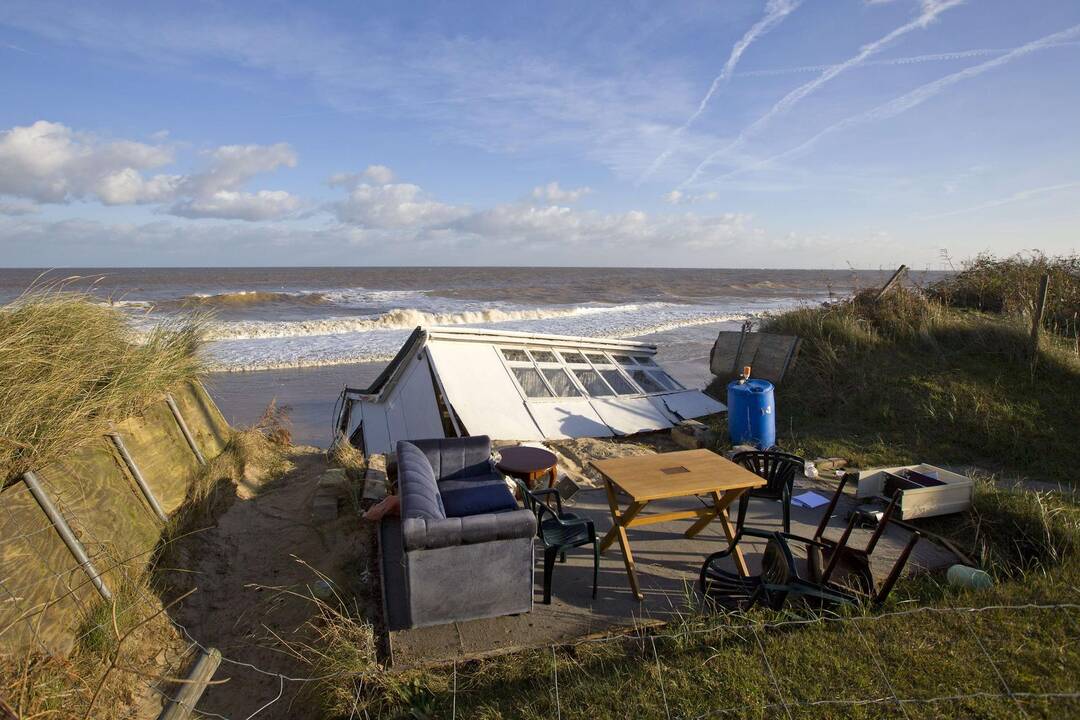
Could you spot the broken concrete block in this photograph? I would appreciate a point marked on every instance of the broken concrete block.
(692, 435)
(374, 489)
(324, 508)
(334, 479)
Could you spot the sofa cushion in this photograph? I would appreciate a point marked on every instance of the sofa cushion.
(457, 458)
(419, 492)
(491, 478)
(478, 499)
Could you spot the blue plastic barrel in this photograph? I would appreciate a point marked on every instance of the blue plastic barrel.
(751, 418)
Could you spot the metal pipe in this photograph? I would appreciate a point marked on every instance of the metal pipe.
(139, 480)
(184, 428)
(33, 484)
(183, 705)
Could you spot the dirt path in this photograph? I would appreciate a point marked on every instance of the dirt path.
(242, 568)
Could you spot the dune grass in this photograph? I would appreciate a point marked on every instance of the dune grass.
(69, 366)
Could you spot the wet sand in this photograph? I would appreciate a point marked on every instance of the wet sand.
(310, 393)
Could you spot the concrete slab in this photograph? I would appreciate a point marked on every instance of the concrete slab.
(668, 564)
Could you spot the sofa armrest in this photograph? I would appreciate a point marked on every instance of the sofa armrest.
(421, 533)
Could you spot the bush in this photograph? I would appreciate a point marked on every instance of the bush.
(1009, 285)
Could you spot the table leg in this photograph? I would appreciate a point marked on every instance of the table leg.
(720, 506)
(618, 529)
(729, 531)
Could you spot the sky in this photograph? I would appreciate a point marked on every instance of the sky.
(742, 133)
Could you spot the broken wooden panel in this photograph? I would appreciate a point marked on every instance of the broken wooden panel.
(770, 356)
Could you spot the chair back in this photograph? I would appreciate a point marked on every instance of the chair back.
(778, 469)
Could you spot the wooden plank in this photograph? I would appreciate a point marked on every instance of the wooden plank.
(893, 282)
(624, 542)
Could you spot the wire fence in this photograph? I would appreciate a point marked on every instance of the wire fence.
(785, 703)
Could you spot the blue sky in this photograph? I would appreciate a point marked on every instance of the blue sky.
(772, 133)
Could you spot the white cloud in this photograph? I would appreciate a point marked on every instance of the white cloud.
(681, 197)
(402, 211)
(17, 207)
(48, 162)
(373, 174)
(396, 205)
(230, 204)
(379, 174)
(552, 193)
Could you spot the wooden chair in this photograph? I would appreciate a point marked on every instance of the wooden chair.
(780, 578)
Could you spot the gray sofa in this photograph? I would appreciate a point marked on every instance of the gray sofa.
(461, 549)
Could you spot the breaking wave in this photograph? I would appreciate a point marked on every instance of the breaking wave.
(400, 319)
(248, 298)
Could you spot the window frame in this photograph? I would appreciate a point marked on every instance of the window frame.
(649, 367)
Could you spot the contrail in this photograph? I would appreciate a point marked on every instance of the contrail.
(918, 96)
(931, 9)
(1015, 197)
(909, 60)
(775, 12)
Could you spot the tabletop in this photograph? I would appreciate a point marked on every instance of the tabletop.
(674, 474)
(525, 459)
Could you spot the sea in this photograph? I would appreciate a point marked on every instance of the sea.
(297, 336)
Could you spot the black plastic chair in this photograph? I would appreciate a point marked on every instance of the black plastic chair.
(778, 469)
(559, 531)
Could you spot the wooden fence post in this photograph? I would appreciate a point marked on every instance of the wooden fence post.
(1037, 315)
(893, 282)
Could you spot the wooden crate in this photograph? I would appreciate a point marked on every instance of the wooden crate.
(954, 494)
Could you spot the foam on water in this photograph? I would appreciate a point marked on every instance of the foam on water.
(264, 346)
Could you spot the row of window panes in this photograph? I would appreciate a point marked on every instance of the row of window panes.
(528, 376)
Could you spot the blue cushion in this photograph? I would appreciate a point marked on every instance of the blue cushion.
(479, 500)
(416, 483)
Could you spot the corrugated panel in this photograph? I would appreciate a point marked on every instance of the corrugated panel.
(629, 415)
(481, 392)
(689, 404)
(568, 419)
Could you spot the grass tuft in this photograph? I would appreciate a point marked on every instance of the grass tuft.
(69, 365)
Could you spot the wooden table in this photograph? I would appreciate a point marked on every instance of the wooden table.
(646, 478)
(529, 464)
